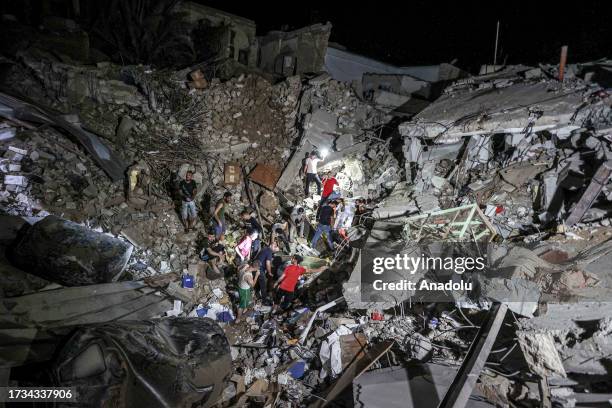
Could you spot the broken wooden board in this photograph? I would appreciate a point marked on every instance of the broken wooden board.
(265, 175)
(353, 371)
(353, 348)
(599, 180)
(231, 174)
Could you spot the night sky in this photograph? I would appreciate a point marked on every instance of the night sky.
(430, 32)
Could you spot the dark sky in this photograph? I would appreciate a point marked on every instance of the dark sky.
(430, 32)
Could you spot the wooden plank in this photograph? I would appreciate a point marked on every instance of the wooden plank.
(231, 173)
(353, 371)
(353, 347)
(599, 180)
(265, 175)
(460, 390)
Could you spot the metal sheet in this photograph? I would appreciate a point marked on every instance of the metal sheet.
(110, 162)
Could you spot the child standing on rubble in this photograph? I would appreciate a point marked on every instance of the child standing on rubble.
(245, 246)
(246, 282)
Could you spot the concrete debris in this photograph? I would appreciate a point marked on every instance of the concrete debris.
(541, 355)
(194, 241)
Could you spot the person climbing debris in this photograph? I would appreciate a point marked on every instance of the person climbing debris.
(310, 168)
(287, 283)
(219, 215)
(326, 216)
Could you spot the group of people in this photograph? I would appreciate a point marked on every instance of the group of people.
(259, 269)
(335, 213)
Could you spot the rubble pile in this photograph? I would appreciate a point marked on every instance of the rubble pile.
(513, 164)
(518, 144)
(168, 128)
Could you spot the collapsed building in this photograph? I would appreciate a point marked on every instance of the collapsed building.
(514, 163)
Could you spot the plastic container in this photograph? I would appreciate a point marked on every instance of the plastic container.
(188, 281)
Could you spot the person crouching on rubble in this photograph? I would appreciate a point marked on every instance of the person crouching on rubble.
(213, 253)
(246, 281)
(188, 190)
(245, 246)
(326, 216)
(297, 220)
(280, 231)
(287, 283)
(219, 215)
(310, 168)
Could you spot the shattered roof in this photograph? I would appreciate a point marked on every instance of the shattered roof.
(507, 105)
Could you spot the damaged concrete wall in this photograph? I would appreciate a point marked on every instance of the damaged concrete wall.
(294, 52)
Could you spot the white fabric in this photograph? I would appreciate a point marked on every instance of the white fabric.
(345, 219)
(243, 284)
(311, 165)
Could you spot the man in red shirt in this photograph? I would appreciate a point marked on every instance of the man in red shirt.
(288, 281)
(328, 194)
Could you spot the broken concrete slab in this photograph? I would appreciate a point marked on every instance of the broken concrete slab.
(482, 111)
(68, 307)
(540, 353)
(68, 253)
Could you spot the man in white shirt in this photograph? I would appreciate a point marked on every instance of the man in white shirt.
(310, 168)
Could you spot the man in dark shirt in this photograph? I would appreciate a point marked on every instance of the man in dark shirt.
(250, 222)
(188, 192)
(213, 252)
(326, 215)
(265, 270)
